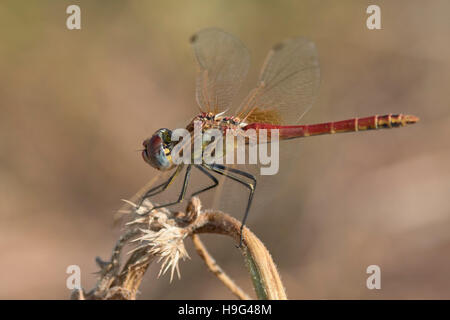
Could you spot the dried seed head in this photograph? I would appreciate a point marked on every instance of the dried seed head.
(162, 237)
(168, 245)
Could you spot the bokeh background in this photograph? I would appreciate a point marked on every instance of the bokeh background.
(76, 105)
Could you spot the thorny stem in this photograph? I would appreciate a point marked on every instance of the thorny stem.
(123, 283)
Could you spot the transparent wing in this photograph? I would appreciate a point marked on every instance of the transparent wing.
(223, 62)
(287, 86)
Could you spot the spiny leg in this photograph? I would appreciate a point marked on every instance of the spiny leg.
(209, 175)
(163, 186)
(182, 193)
(228, 172)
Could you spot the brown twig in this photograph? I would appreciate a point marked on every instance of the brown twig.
(266, 280)
(217, 270)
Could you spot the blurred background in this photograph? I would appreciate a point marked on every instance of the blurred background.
(76, 105)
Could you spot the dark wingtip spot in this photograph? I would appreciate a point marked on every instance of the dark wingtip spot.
(193, 38)
(278, 46)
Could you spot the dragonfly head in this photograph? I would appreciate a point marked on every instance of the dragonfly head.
(157, 150)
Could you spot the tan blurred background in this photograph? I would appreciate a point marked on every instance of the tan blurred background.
(75, 105)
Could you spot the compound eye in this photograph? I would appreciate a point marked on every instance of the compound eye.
(156, 151)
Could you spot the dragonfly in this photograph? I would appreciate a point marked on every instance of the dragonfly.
(285, 91)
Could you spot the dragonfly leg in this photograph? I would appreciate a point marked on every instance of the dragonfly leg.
(182, 193)
(237, 175)
(209, 175)
(159, 188)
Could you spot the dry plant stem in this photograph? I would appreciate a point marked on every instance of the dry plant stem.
(217, 270)
(132, 273)
(122, 282)
(115, 283)
(266, 280)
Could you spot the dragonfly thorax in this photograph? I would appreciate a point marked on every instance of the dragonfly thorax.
(209, 120)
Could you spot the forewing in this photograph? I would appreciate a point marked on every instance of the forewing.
(287, 86)
(223, 62)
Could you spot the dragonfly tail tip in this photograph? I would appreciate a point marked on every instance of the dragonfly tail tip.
(410, 119)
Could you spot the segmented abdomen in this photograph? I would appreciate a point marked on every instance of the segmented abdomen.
(350, 125)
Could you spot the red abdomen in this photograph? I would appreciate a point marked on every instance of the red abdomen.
(350, 125)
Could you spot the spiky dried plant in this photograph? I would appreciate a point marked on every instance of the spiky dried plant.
(159, 235)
